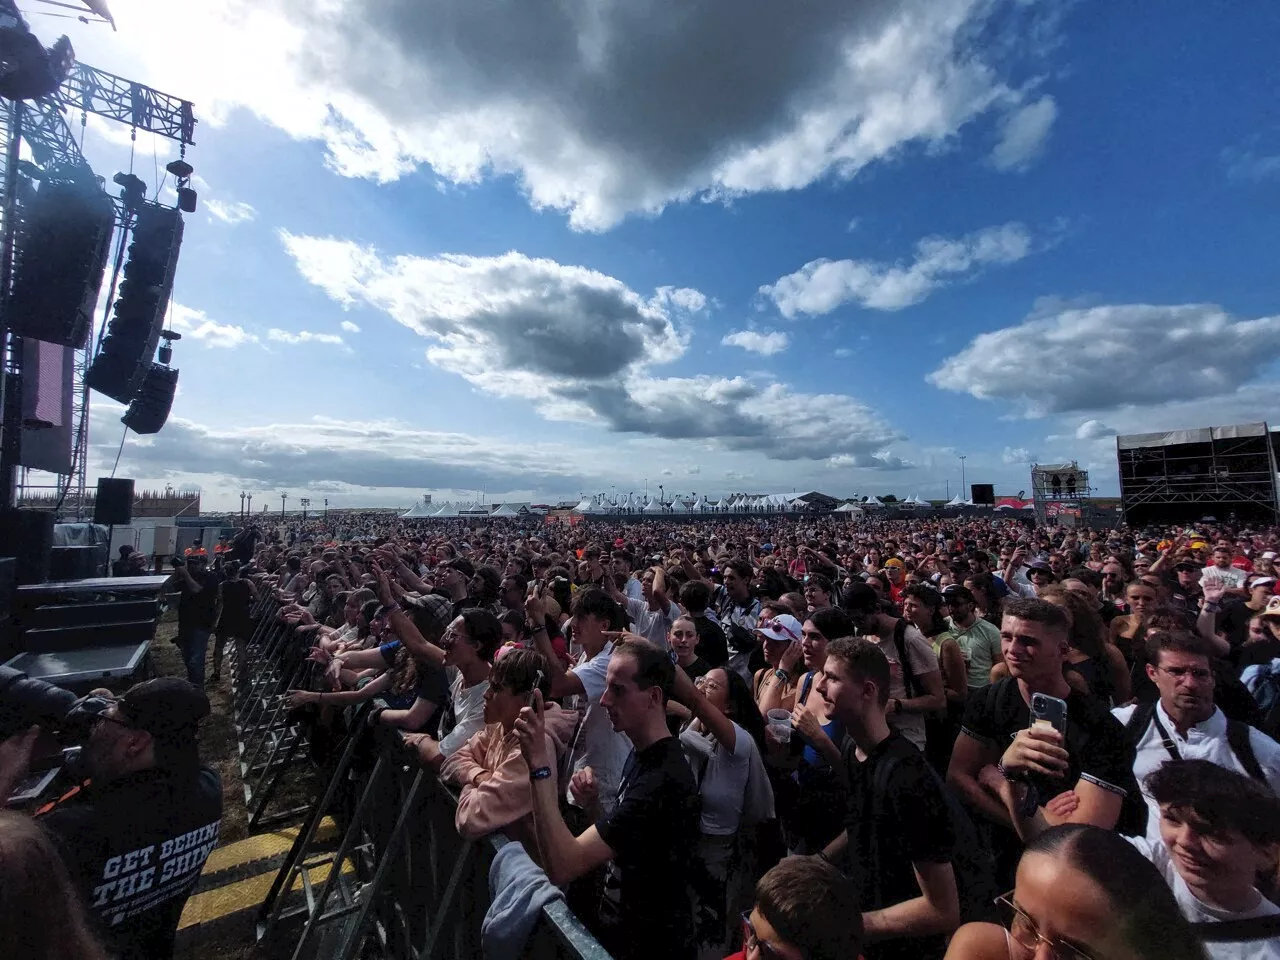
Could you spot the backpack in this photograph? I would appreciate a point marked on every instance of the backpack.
(973, 864)
(1144, 715)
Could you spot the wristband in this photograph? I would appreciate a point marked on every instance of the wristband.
(1011, 777)
(540, 773)
(541, 626)
(782, 675)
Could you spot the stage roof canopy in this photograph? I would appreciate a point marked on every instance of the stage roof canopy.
(1133, 441)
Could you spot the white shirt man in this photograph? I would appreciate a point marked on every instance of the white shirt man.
(1185, 723)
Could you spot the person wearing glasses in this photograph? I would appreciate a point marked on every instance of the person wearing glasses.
(805, 909)
(136, 834)
(1186, 724)
(1082, 893)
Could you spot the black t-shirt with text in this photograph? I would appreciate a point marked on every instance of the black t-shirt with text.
(1097, 748)
(135, 848)
(645, 909)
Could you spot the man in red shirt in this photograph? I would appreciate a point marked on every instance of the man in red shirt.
(896, 571)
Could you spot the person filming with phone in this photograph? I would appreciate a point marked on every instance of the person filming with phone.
(1033, 729)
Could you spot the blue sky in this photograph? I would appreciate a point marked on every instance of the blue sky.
(535, 251)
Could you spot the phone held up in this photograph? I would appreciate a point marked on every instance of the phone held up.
(1050, 710)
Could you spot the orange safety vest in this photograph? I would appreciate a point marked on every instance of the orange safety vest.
(194, 552)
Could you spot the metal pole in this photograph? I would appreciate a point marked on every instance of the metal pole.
(10, 345)
(962, 483)
(283, 498)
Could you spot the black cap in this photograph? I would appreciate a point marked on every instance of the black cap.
(1186, 565)
(168, 708)
(958, 591)
(463, 566)
(860, 598)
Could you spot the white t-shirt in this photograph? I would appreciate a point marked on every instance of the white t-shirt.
(597, 745)
(724, 781)
(1204, 741)
(1197, 911)
(653, 625)
(922, 660)
(468, 713)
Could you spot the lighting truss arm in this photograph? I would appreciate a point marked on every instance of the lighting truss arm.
(52, 144)
(96, 91)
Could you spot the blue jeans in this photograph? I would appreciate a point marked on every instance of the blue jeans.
(194, 642)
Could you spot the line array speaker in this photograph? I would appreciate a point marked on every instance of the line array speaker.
(982, 493)
(130, 344)
(150, 407)
(61, 256)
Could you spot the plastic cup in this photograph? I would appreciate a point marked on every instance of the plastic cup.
(780, 722)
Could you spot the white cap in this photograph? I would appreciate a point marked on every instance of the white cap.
(1268, 555)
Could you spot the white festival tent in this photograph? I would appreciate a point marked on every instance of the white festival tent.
(874, 502)
(588, 505)
(958, 501)
(506, 510)
(702, 506)
(419, 510)
(447, 510)
(849, 508)
(679, 506)
(654, 506)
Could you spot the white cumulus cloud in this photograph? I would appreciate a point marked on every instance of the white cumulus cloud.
(821, 286)
(350, 327)
(197, 325)
(598, 110)
(233, 211)
(302, 336)
(765, 343)
(1023, 134)
(1093, 430)
(1093, 359)
(581, 345)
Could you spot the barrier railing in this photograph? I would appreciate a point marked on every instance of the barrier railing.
(270, 743)
(402, 882)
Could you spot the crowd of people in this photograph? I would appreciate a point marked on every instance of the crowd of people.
(810, 737)
(915, 716)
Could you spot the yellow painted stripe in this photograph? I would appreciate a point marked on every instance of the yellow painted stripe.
(244, 895)
(262, 846)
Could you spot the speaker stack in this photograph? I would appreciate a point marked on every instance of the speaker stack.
(150, 408)
(983, 494)
(124, 361)
(61, 256)
(113, 506)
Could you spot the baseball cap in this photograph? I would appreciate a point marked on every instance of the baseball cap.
(463, 566)
(958, 591)
(1272, 609)
(1268, 555)
(893, 562)
(168, 708)
(783, 627)
(1186, 565)
(1262, 582)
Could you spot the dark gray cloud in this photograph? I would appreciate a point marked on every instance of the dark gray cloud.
(580, 345)
(604, 109)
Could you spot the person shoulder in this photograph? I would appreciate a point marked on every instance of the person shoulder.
(1125, 713)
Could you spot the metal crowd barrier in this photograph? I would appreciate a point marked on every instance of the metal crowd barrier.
(269, 741)
(401, 884)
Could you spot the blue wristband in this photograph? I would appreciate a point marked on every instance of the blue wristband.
(541, 773)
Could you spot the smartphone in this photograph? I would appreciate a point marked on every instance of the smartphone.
(537, 682)
(1050, 710)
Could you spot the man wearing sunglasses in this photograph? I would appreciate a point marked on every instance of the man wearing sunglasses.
(805, 909)
(136, 834)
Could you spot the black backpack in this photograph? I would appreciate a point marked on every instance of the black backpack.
(900, 644)
(1144, 715)
(973, 865)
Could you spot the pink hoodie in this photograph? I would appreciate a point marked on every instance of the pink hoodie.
(504, 797)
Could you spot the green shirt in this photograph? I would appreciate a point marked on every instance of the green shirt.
(980, 645)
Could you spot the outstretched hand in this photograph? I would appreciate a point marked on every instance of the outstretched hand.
(531, 731)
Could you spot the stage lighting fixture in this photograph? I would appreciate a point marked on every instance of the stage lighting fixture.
(180, 169)
(186, 200)
(133, 190)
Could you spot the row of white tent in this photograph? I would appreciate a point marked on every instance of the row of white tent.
(737, 503)
(469, 509)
